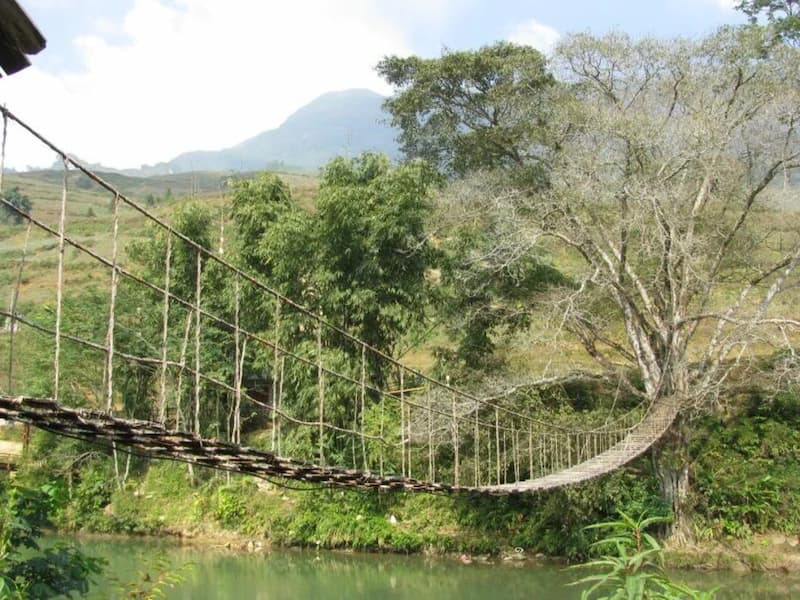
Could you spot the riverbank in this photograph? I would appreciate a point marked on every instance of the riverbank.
(774, 553)
(242, 517)
(745, 501)
(219, 572)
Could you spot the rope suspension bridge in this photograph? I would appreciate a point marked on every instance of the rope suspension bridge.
(336, 410)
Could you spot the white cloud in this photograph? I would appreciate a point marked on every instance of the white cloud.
(726, 4)
(532, 33)
(193, 75)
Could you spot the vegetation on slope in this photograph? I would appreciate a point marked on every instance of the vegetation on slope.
(632, 266)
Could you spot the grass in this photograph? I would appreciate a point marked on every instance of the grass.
(89, 220)
(540, 351)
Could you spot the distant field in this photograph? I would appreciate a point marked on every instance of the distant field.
(89, 220)
(539, 351)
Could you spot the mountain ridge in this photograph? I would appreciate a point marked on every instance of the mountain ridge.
(345, 122)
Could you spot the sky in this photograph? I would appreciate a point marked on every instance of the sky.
(132, 82)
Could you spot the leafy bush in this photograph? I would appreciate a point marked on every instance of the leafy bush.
(27, 570)
(748, 468)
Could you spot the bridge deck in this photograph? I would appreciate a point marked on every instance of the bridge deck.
(154, 440)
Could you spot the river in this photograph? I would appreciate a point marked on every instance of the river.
(210, 574)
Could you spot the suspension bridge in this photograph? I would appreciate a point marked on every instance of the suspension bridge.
(335, 410)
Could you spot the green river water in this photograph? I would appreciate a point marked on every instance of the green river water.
(289, 574)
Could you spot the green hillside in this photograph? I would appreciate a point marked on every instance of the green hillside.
(89, 221)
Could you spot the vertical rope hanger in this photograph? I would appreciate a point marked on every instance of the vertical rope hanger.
(514, 449)
(112, 306)
(197, 293)
(497, 441)
(476, 444)
(431, 466)
(456, 466)
(239, 362)
(3, 150)
(162, 408)
(60, 280)
(280, 403)
(363, 385)
(530, 451)
(275, 442)
(402, 426)
(182, 361)
(321, 393)
(13, 311)
(409, 422)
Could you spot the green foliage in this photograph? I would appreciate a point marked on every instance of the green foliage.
(193, 220)
(373, 246)
(359, 260)
(554, 522)
(256, 205)
(631, 566)
(471, 109)
(28, 570)
(19, 201)
(231, 506)
(90, 497)
(748, 468)
(478, 298)
(783, 16)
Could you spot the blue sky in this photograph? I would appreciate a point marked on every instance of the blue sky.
(127, 82)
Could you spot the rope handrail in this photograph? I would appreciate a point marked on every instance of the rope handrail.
(462, 431)
(253, 280)
(232, 328)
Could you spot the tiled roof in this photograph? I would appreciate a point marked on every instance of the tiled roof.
(18, 38)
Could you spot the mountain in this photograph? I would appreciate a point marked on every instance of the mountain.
(342, 123)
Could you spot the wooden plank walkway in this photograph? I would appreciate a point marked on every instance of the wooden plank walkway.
(155, 441)
(643, 436)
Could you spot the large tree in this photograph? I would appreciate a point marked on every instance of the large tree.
(359, 259)
(471, 109)
(660, 198)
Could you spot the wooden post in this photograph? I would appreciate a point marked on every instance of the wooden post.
(60, 282)
(321, 391)
(456, 465)
(276, 337)
(363, 383)
(239, 358)
(112, 305)
(197, 344)
(497, 441)
(162, 409)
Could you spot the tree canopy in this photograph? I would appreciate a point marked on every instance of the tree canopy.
(472, 109)
(782, 15)
(661, 158)
(19, 201)
(360, 258)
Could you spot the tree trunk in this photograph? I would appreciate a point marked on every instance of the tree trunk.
(671, 462)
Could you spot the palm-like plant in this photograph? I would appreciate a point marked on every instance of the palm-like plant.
(631, 567)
